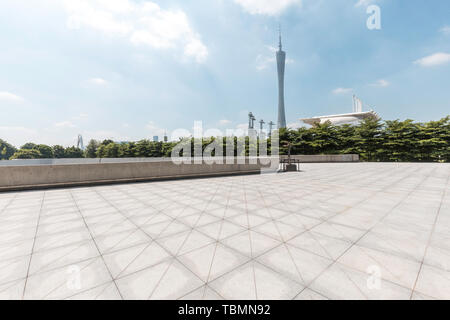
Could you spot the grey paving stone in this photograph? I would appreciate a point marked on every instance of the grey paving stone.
(332, 231)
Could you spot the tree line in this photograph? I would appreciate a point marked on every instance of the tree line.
(38, 151)
(376, 140)
(373, 140)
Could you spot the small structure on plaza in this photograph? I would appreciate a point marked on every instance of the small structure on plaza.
(289, 164)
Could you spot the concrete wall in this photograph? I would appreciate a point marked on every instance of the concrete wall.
(29, 174)
(326, 158)
(33, 176)
(33, 162)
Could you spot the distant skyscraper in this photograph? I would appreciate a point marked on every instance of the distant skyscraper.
(80, 143)
(155, 139)
(281, 62)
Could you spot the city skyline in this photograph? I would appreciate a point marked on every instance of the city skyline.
(104, 75)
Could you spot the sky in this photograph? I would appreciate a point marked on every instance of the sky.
(131, 69)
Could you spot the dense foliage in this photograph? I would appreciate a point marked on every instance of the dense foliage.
(373, 140)
(6, 150)
(42, 151)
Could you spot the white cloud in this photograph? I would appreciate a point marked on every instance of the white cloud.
(262, 61)
(142, 23)
(154, 129)
(196, 49)
(64, 124)
(342, 90)
(294, 125)
(81, 116)
(289, 61)
(265, 60)
(381, 83)
(445, 30)
(434, 60)
(266, 7)
(224, 122)
(17, 135)
(10, 97)
(272, 49)
(241, 130)
(98, 81)
(242, 126)
(103, 135)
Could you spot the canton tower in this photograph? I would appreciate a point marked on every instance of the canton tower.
(281, 62)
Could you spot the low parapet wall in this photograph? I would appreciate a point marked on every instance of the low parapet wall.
(326, 158)
(20, 177)
(46, 173)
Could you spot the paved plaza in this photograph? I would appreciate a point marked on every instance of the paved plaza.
(333, 231)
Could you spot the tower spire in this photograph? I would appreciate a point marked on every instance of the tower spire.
(281, 62)
(279, 37)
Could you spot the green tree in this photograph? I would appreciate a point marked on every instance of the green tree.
(434, 141)
(368, 139)
(127, 150)
(166, 148)
(324, 138)
(45, 151)
(100, 153)
(143, 148)
(29, 146)
(58, 151)
(106, 142)
(400, 141)
(346, 139)
(373, 140)
(27, 154)
(6, 150)
(91, 149)
(111, 150)
(73, 152)
(302, 141)
(102, 150)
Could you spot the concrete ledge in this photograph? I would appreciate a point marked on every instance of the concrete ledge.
(326, 158)
(23, 177)
(122, 181)
(51, 173)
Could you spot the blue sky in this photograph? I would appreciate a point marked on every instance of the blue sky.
(129, 69)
